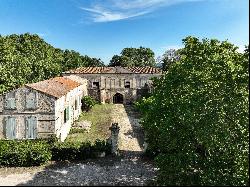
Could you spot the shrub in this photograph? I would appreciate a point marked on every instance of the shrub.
(87, 103)
(78, 150)
(77, 130)
(24, 152)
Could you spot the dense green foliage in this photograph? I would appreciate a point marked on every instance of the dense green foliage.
(201, 134)
(134, 57)
(37, 152)
(27, 58)
(77, 130)
(24, 153)
(87, 103)
(79, 150)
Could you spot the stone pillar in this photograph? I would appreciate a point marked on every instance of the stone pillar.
(114, 138)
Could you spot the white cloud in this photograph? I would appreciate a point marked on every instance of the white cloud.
(100, 15)
(113, 10)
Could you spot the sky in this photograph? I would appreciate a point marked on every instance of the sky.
(102, 28)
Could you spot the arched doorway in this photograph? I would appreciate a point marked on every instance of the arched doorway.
(118, 98)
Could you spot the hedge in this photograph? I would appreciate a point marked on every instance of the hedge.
(24, 152)
(79, 150)
(37, 152)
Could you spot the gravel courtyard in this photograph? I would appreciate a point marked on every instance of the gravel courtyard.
(130, 168)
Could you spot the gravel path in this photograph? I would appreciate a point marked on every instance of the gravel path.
(130, 168)
(130, 135)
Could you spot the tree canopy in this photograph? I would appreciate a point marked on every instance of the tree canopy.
(27, 58)
(170, 57)
(201, 135)
(134, 57)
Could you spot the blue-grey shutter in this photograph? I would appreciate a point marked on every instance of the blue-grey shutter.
(31, 127)
(10, 103)
(31, 101)
(67, 113)
(10, 128)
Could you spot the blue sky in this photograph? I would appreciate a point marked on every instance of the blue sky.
(102, 28)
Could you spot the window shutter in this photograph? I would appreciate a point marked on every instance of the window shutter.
(10, 128)
(76, 104)
(67, 113)
(31, 127)
(31, 101)
(10, 103)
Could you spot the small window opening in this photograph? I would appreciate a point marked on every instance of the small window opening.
(127, 84)
(66, 114)
(96, 85)
(76, 104)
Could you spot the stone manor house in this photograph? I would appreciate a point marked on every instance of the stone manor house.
(117, 84)
(50, 107)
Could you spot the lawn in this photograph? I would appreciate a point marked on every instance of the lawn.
(100, 116)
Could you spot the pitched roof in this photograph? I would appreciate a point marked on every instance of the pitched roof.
(116, 69)
(57, 87)
(146, 69)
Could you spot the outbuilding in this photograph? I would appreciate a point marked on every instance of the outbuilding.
(42, 109)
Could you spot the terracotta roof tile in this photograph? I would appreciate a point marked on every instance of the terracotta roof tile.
(57, 87)
(90, 70)
(117, 69)
(146, 70)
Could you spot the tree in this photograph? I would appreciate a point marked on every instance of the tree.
(72, 59)
(134, 57)
(27, 58)
(170, 57)
(88, 61)
(201, 135)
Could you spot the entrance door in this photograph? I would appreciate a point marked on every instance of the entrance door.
(118, 98)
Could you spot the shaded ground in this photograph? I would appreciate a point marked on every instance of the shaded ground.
(130, 168)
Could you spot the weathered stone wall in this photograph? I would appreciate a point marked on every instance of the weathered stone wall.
(44, 111)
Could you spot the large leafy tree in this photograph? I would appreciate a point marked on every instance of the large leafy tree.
(134, 57)
(201, 135)
(27, 58)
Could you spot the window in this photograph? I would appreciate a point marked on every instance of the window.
(10, 103)
(127, 84)
(76, 104)
(31, 127)
(10, 123)
(30, 100)
(96, 85)
(66, 114)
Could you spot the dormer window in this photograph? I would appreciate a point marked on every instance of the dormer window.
(96, 85)
(127, 84)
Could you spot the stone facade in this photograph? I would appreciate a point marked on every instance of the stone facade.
(116, 84)
(30, 112)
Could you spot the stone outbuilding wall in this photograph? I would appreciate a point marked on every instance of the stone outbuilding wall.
(42, 109)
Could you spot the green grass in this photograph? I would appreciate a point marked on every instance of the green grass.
(100, 116)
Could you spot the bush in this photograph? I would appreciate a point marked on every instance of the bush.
(24, 152)
(78, 150)
(87, 103)
(77, 130)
